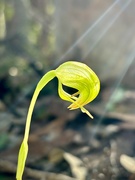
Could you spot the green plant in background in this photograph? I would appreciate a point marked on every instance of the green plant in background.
(71, 74)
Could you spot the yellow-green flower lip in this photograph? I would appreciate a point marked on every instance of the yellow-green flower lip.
(79, 76)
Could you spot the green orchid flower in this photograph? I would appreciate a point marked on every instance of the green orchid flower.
(71, 74)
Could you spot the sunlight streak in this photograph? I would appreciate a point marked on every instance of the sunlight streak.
(101, 35)
(130, 60)
(89, 30)
(120, 49)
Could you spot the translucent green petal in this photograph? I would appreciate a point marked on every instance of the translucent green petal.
(79, 76)
(64, 95)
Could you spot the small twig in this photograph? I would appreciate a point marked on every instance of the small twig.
(11, 167)
(123, 117)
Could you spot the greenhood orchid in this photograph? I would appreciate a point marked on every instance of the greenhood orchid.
(72, 74)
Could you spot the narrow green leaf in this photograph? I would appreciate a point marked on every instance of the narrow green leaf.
(22, 159)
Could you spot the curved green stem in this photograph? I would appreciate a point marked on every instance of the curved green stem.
(24, 146)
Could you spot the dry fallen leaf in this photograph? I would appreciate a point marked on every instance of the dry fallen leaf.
(77, 166)
(128, 163)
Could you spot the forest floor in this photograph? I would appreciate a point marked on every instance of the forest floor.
(68, 145)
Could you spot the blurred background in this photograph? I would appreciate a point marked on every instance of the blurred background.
(37, 36)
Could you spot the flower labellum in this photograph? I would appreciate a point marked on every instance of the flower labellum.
(72, 74)
(80, 77)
